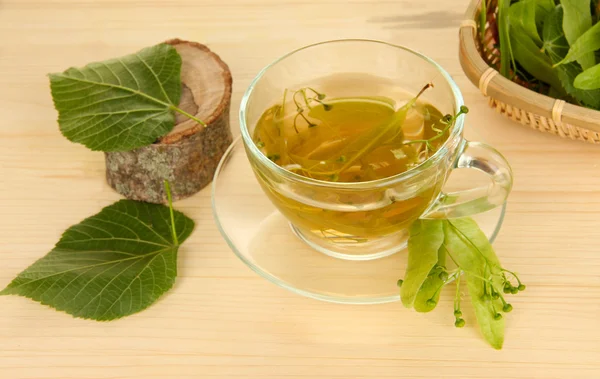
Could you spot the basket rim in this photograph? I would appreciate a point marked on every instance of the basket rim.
(509, 92)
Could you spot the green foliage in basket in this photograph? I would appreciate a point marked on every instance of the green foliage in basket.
(550, 46)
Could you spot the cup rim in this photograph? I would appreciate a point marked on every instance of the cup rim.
(254, 150)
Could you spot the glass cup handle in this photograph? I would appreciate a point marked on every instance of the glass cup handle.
(478, 156)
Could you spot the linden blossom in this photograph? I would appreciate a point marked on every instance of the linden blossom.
(461, 240)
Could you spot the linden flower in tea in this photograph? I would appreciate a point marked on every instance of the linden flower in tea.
(351, 139)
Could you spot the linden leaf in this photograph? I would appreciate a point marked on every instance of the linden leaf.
(426, 237)
(119, 104)
(110, 265)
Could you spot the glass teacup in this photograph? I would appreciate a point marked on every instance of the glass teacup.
(370, 219)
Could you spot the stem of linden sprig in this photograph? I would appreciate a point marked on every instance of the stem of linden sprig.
(170, 199)
(459, 322)
(300, 109)
(455, 275)
(178, 110)
(448, 278)
(506, 307)
(520, 286)
(513, 290)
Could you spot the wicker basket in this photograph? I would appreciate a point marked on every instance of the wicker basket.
(515, 101)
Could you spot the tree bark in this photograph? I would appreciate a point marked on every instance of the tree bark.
(188, 156)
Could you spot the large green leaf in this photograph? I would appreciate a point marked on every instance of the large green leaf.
(119, 104)
(426, 237)
(556, 47)
(577, 20)
(110, 265)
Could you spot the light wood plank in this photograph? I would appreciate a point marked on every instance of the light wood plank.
(222, 320)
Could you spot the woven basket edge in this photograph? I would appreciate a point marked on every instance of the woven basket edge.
(506, 91)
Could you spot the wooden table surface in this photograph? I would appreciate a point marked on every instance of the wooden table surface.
(222, 320)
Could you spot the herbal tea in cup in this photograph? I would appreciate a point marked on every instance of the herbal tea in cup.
(353, 148)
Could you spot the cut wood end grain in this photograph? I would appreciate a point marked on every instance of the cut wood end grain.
(188, 156)
(206, 91)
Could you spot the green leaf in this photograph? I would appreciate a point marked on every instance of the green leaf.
(541, 12)
(506, 56)
(546, 5)
(469, 247)
(576, 21)
(589, 79)
(426, 237)
(587, 43)
(523, 15)
(431, 288)
(468, 229)
(529, 55)
(555, 43)
(110, 265)
(119, 104)
(491, 329)
(556, 47)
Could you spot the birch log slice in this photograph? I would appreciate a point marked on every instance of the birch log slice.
(188, 156)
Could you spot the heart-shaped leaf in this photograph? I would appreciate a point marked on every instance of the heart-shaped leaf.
(110, 265)
(528, 54)
(119, 104)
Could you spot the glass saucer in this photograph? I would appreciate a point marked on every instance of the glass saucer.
(264, 240)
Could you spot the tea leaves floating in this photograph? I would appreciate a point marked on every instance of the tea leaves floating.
(350, 139)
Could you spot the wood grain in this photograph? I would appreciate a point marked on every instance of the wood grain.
(222, 320)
